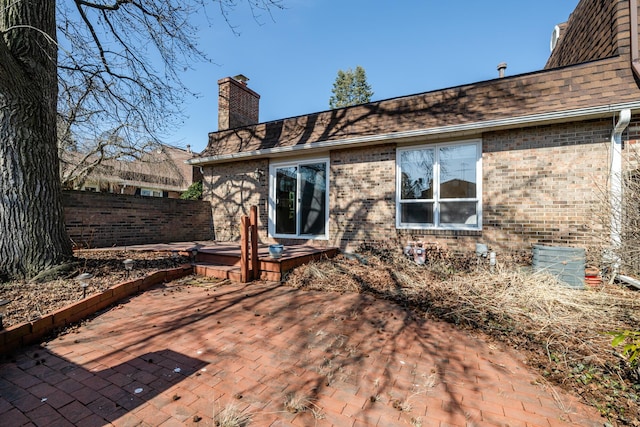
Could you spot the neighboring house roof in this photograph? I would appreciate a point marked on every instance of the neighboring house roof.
(588, 75)
(164, 169)
(588, 35)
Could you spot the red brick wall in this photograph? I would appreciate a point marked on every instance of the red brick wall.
(102, 219)
(237, 104)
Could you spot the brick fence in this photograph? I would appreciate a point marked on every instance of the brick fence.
(96, 220)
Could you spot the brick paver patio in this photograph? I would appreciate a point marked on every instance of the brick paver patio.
(179, 355)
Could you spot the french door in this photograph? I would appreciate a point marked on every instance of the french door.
(298, 199)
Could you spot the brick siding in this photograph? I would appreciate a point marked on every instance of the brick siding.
(232, 189)
(102, 220)
(362, 195)
(546, 184)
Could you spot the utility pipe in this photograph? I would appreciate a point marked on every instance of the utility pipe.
(615, 175)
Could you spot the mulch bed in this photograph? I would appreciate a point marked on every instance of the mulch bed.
(30, 301)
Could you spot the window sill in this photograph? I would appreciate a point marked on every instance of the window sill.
(294, 237)
(431, 231)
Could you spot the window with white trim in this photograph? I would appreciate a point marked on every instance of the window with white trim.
(299, 199)
(148, 192)
(439, 186)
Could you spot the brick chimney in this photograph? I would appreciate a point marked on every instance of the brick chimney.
(237, 104)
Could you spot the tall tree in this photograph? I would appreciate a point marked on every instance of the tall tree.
(350, 88)
(99, 76)
(32, 231)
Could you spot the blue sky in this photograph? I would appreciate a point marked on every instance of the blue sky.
(405, 46)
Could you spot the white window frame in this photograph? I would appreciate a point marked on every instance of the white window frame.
(150, 192)
(272, 198)
(436, 189)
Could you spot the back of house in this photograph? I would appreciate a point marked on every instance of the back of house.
(510, 162)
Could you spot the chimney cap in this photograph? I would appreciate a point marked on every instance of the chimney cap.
(241, 78)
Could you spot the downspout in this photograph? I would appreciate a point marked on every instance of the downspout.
(615, 176)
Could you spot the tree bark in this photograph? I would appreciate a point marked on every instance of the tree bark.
(33, 237)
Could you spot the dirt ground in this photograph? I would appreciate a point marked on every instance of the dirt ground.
(561, 335)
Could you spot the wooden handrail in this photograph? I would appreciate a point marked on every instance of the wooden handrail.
(255, 262)
(249, 246)
(244, 249)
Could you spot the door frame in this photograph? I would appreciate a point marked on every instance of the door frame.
(272, 198)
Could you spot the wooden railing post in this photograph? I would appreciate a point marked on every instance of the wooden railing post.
(255, 262)
(244, 249)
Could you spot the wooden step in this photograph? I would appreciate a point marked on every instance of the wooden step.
(219, 258)
(230, 272)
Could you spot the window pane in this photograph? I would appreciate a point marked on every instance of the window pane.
(313, 188)
(286, 200)
(417, 213)
(458, 213)
(458, 172)
(416, 167)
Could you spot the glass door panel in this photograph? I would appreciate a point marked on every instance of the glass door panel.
(313, 190)
(286, 200)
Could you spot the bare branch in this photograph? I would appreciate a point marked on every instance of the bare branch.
(112, 97)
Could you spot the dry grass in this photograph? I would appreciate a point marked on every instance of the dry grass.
(296, 403)
(560, 329)
(231, 416)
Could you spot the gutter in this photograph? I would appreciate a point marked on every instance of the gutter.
(616, 195)
(462, 129)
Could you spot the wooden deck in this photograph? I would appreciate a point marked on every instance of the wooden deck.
(223, 260)
(246, 260)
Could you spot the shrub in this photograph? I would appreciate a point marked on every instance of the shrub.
(194, 192)
(631, 341)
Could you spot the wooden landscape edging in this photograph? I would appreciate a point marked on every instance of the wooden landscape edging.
(17, 336)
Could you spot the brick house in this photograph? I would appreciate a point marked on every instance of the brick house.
(161, 172)
(509, 162)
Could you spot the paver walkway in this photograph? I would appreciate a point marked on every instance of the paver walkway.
(179, 355)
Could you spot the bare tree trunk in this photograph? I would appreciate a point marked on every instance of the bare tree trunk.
(32, 232)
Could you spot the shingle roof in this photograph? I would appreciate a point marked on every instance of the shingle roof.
(164, 168)
(601, 76)
(588, 35)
